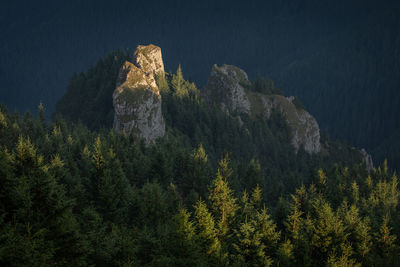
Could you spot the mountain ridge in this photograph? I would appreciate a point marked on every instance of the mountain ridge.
(228, 87)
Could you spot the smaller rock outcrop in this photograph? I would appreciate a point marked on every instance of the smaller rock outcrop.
(369, 165)
(228, 86)
(304, 127)
(136, 99)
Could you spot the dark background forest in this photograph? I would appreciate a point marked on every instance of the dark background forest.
(341, 58)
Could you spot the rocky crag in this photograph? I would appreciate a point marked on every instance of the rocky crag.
(226, 86)
(369, 165)
(136, 99)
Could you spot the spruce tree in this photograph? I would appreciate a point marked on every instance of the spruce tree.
(223, 203)
(178, 83)
(207, 231)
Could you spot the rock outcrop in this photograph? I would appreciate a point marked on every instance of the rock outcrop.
(304, 127)
(227, 87)
(136, 99)
(369, 165)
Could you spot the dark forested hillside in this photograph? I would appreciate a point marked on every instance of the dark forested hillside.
(89, 95)
(211, 193)
(130, 163)
(339, 57)
(193, 122)
(71, 196)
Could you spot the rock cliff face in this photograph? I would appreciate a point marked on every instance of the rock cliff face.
(304, 127)
(369, 165)
(227, 87)
(136, 99)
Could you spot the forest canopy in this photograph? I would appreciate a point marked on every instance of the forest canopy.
(210, 193)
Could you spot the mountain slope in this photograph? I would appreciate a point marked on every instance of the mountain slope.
(267, 136)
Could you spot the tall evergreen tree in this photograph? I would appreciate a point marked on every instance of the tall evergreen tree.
(223, 203)
(178, 83)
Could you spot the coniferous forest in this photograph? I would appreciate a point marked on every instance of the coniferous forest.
(74, 192)
(266, 166)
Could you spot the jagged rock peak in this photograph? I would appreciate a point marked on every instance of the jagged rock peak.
(136, 99)
(239, 75)
(149, 59)
(226, 86)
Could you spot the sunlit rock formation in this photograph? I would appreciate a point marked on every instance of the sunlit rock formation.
(136, 99)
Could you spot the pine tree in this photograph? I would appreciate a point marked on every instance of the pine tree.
(249, 247)
(186, 228)
(386, 240)
(113, 191)
(178, 83)
(97, 157)
(162, 83)
(223, 203)
(253, 175)
(185, 245)
(43, 229)
(294, 220)
(3, 120)
(207, 232)
(152, 205)
(285, 253)
(359, 231)
(269, 234)
(329, 234)
(197, 173)
(256, 198)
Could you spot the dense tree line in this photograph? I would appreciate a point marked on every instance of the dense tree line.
(344, 70)
(212, 192)
(191, 122)
(88, 98)
(70, 195)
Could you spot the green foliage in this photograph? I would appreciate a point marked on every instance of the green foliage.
(37, 220)
(72, 196)
(192, 122)
(88, 98)
(3, 121)
(180, 87)
(265, 86)
(221, 197)
(162, 83)
(177, 83)
(254, 176)
(207, 231)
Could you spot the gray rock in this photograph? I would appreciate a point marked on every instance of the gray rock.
(227, 86)
(136, 99)
(304, 127)
(369, 165)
